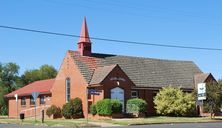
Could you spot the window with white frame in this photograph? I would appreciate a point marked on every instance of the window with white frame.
(42, 99)
(23, 101)
(134, 94)
(67, 89)
(32, 101)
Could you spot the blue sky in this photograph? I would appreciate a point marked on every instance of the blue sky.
(189, 23)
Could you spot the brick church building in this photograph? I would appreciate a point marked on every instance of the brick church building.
(114, 76)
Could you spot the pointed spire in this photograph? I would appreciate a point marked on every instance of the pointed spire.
(84, 35)
(84, 44)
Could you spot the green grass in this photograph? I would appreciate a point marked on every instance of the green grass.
(162, 119)
(48, 122)
(128, 121)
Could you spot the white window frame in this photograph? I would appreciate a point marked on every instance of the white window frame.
(134, 91)
(66, 87)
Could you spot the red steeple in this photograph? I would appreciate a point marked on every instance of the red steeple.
(84, 44)
(84, 35)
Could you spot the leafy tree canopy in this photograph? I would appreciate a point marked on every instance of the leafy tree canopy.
(8, 82)
(9, 75)
(213, 101)
(44, 72)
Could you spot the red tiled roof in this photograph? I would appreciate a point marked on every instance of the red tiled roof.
(42, 86)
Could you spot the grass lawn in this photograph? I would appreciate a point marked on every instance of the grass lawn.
(124, 121)
(48, 122)
(162, 119)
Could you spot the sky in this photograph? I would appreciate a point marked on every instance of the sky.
(194, 23)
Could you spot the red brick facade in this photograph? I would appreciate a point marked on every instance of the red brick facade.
(15, 108)
(78, 87)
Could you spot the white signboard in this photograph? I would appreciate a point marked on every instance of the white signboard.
(201, 91)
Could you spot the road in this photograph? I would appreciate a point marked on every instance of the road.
(185, 125)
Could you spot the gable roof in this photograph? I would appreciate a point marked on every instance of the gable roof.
(201, 77)
(100, 74)
(144, 72)
(42, 86)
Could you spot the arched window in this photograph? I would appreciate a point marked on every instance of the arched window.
(67, 89)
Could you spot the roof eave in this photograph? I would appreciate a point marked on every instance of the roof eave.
(27, 94)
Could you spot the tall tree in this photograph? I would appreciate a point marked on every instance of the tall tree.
(213, 101)
(44, 72)
(8, 82)
(9, 75)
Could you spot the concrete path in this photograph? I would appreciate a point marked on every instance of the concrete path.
(102, 124)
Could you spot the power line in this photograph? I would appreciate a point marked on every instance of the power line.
(113, 40)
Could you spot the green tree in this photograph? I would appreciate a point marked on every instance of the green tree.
(173, 102)
(3, 106)
(213, 101)
(44, 72)
(9, 81)
(9, 75)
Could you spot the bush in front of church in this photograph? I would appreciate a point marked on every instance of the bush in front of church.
(136, 106)
(116, 106)
(93, 109)
(53, 110)
(73, 109)
(66, 111)
(172, 101)
(107, 107)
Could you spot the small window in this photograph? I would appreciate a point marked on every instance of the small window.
(134, 94)
(32, 101)
(23, 101)
(42, 100)
(67, 89)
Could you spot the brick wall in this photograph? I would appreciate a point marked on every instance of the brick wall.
(78, 84)
(27, 109)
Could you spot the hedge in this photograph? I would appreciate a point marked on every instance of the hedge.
(53, 110)
(107, 107)
(116, 106)
(136, 105)
(93, 109)
(73, 109)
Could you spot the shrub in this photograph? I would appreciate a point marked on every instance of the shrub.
(104, 107)
(53, 110)
(77, 107)
(136, 105)
(173, 102)
(73, 109)
(108, 106)
(93, 109)
(116, 106)
(66, 111)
